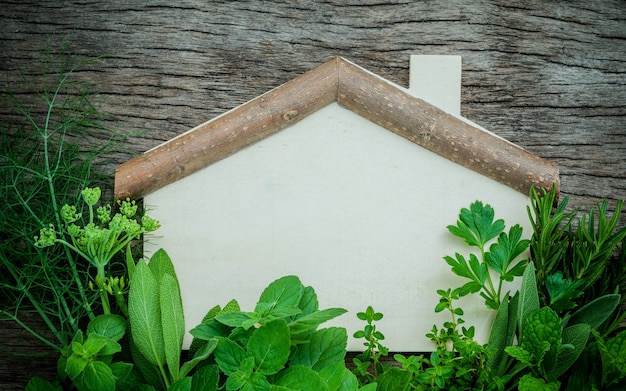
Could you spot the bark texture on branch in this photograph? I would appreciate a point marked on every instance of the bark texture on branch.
(356, 89)
(549, 77)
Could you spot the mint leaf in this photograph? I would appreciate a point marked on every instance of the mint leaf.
(542, 336)
(97, 376)
(301, 379)
(229, 355)
(205, 379)
(270, 346)
(313, 320)
(326, 347)
(284, 292)
(530, 383)
(616, 352)
(108, 325)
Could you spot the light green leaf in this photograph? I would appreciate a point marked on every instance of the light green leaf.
(161, 264)
(327, 346)
(102, 346)
(394, 380)
(234, 319)
(298, 378)
(257, 382)
(314, 319)
(338, 378)
(476, 225)
(145, 315)
(270, 346)
(308, 302)
(173, 321)
(284, 292)
(97, 376)
(242, 376)
(108, 325)
(522, 355)
(75, 364)
(229, 355)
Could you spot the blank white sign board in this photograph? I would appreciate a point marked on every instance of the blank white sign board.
(354, 210)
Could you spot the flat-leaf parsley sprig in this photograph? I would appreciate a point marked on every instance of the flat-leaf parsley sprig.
(101, 238)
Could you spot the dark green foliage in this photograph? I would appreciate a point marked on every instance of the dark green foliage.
(42, 167)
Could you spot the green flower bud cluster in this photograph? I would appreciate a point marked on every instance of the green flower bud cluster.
(101, 238)
(47, 237)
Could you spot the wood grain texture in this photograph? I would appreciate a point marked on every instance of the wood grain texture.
(549, 77)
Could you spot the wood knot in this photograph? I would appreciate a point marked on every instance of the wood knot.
(288, 116)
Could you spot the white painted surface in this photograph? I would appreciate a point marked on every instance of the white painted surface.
(354, 210)
(437, 80)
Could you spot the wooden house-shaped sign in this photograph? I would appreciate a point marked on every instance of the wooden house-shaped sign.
(339, 177)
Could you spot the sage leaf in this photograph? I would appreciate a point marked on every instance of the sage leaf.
(498, 336)
(161, 264)
(145, 315)
(173, 321)
(595, 312)
(575, 336)
(528, 297)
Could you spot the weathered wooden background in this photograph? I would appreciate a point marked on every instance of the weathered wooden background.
(550, 77)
